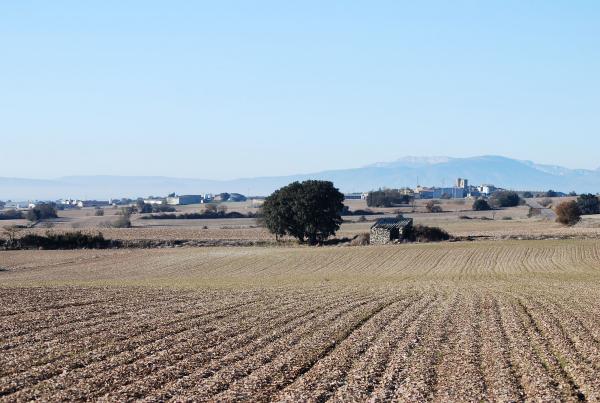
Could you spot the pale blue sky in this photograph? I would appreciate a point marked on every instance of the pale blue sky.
(226, 89)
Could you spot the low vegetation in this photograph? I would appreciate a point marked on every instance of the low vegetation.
(199, 216)
(432, 206)
(11, 215)
(481, 205)
(505, 199)
(42, 211)
(387, 198)
(568, 213)
(423, 233)
(588, 204)
(68, 240)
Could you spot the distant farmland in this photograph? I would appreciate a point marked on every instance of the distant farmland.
(464, 321)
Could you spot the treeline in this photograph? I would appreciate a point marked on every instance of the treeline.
(41, 211)
(387, 198)
(199, 216)
(347, 212)
(68, 240)
(11, 215)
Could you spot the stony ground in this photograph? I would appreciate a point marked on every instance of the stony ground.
(500, 321)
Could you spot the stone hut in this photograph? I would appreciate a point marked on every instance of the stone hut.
(386, 230)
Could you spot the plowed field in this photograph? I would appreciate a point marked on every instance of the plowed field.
(499, 321)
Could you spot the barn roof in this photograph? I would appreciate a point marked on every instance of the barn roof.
(392, 223)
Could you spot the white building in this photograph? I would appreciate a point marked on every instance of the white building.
(486, 189)
(17, 205)
(155, 201)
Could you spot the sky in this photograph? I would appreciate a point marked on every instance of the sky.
(228, 89)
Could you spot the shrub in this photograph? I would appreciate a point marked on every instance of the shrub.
(162, 208)
(42, 211)
(527, 195)
(362, 218)
(432, 207)
(123, 221)
(588, 204)
(69, 240)
(481, 205)
(568, 213)
(11, 215)
(387, 198)
(546, 202)
(98, 212)
(506, 199)
(143, 208)
(210, 208)
(361, 239)
(423, 233)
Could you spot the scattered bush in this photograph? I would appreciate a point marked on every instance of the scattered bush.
(361, 239)
(506, 199)
(42, 211)
(347, 212)
(506, 218)
(546, 202)
(99, 212)
(162, 208)
(198, 216)
(11, 215)
(210, 208)
(387, 198)
(568, 213)
(69, 240)
(433, 207)
(588, 204)
(362, 218)
(527, 195)
(423, 233)
(124, 221)
(481, 205)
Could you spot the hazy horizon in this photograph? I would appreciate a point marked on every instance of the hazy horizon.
(221, 91)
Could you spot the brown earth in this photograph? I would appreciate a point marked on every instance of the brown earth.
(499, 321)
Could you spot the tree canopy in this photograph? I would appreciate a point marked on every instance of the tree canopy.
(481, 205)
(568, 213)
(386, 198)
(588, 204)
(309, 211)
(506, 199)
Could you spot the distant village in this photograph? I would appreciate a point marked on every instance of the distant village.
(171, 200)
(461, 190)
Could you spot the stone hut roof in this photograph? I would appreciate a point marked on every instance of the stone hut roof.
(392, 223)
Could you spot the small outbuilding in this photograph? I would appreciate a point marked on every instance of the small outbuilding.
(386, 230)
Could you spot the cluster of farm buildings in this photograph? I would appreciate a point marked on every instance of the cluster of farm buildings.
(172, 199)
(461, 189)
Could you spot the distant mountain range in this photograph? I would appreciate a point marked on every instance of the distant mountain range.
(408, 171)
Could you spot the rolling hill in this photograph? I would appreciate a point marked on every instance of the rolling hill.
(407, 171)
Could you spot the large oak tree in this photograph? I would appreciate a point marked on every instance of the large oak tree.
(309, 211)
